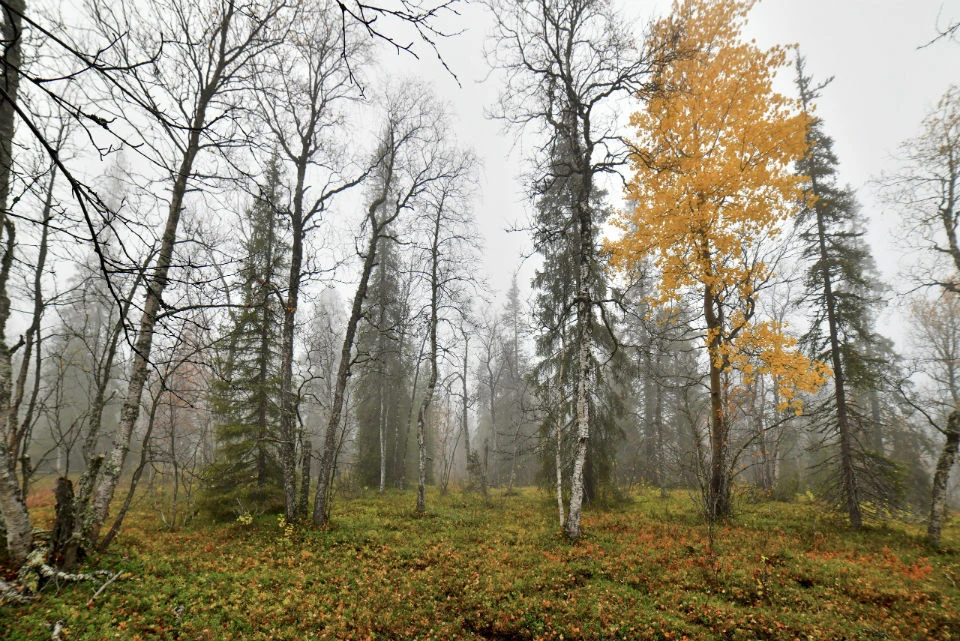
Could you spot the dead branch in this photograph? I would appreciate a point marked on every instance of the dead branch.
(104, 587)
(11, 594)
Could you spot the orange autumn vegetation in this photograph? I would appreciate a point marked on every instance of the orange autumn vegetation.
(713, 186)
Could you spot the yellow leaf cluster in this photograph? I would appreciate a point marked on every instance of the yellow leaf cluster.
(712, 181)
(712, 162)
(765, 349)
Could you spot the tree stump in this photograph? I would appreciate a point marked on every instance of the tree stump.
(65, 551)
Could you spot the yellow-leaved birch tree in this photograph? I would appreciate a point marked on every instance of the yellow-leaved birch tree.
(712, 185)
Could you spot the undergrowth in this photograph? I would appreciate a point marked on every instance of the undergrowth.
(648, 569)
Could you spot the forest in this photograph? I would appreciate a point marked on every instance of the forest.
(255, 382)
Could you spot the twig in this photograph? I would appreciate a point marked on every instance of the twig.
(104, 587)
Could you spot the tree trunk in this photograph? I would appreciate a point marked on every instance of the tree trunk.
(13, 510)
(288, 399)
(263, 358)
(32, 340)
(343, 374)
(432, 381)
(382, 414)
(134, 481)
(584, 351)
(718, 494)
(661, 455)
(938, 503)
(130, 411)
(558, 463)
(849, 479)
(305, 480)
(402, 477)
(650, 390)
(102, 377)
(63, 547)
(422, 440)
(493, 419)
(16, 519)
(559, 467)
(463, 380)
(424, 410)
(10, 28)
(383, 435)
(320, 501)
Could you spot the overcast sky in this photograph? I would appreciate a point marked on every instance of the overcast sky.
(884, 85)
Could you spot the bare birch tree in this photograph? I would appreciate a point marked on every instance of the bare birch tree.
(410, 158)
(927, 191)
(444, 220)
(303, 87)
(195, 91)
(566, 64)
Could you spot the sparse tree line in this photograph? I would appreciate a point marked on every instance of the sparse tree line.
(256, 298)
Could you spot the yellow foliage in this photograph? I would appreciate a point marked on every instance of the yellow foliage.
(764, 349)
(712, 182)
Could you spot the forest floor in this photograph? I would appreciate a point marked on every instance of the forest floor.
(649, 569)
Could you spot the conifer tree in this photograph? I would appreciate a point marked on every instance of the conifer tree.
(844, 294)
(567, 63)
(558, 239)
(383, 380)
(245, 395)
(520, 430)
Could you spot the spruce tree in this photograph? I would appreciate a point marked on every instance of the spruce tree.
(520, 430)
(844, 294)
(382, 404)
(557, 283)
(245, 394)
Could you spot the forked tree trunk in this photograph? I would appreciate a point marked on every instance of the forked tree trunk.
(113, 464)
(328, 453)
(215, 72)
(99, 508)
(938, 503)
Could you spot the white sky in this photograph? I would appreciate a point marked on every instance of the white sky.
(884, 85)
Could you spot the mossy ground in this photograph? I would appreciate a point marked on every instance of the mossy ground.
(644, 570)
